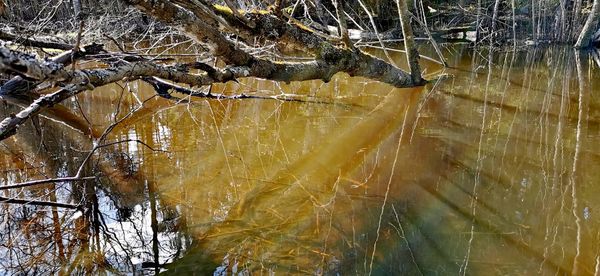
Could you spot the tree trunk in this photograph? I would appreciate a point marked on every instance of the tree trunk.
(412, 55)
(329, 59)
(343, 25)
(585, 38)
(494, 22)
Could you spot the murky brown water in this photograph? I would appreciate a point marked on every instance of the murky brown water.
(493, 170)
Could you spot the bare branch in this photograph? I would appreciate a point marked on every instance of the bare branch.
(44, 181)
(20, 86)
(329, 58)
(164, 89)
(34, 43)
(37, 203)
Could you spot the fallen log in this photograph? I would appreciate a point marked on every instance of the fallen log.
(329, 59)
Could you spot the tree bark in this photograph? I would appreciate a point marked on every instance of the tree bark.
(329, 59)
(343, 25)
(19, 86)
(77, 81)
(34, 43)
(585, 38)
(412, 55)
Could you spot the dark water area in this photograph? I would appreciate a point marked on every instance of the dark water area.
(492, 169)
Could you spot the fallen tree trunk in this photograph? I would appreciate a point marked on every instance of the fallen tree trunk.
(203, 23)
(76, 81)
(329, 59)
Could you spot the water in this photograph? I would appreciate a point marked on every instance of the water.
(490, 170)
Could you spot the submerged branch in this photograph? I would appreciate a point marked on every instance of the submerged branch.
(9, 125)
(37, 203)
(164, 89)
(44, 181)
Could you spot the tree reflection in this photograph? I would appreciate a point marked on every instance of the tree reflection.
(111, 223)
(416, 182)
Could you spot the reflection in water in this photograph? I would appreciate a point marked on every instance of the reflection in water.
(489, 171)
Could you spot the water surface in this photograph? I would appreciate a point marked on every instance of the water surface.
(490, 170)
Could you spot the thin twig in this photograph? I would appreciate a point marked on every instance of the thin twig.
(37, 203)
(44, 181)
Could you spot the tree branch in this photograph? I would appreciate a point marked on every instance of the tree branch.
(19, 86)
(329, 58)
(37, 203)
(44, 181)
(33, 43)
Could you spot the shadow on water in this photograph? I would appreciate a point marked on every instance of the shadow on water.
(491, 170)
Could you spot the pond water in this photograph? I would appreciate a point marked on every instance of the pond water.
(493, 169)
